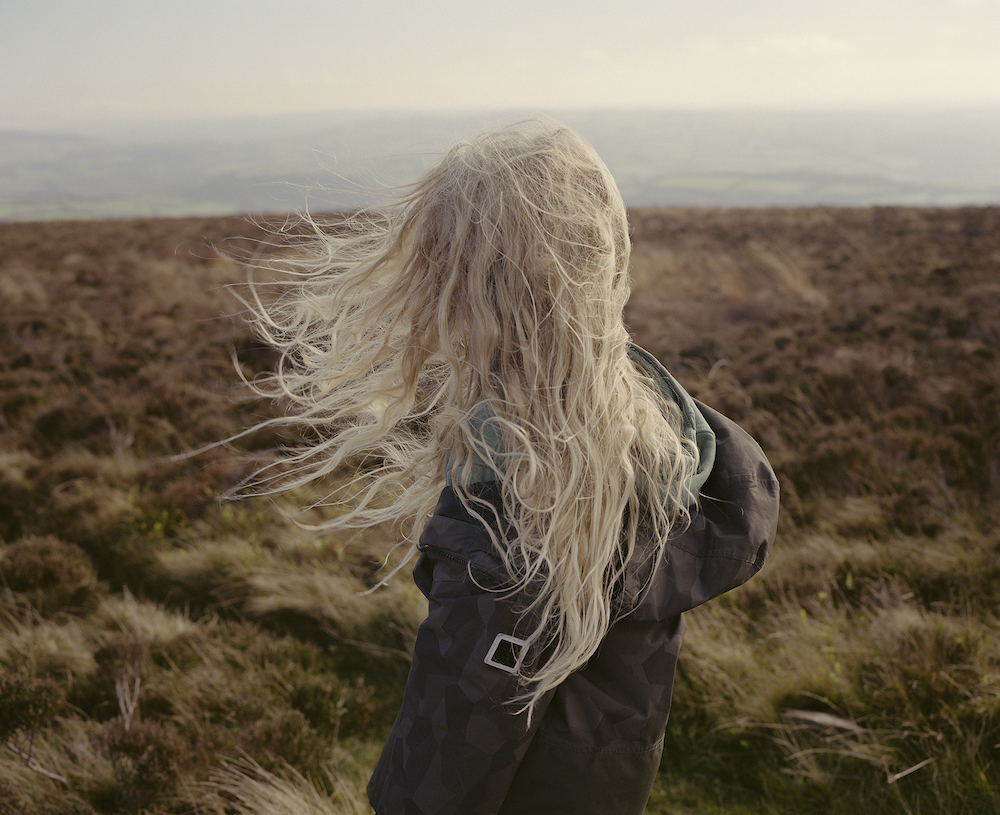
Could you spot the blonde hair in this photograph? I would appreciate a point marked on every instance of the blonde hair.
(493, 288)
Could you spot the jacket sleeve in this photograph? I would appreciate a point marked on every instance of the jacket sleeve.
(730, 532)
(455, 748)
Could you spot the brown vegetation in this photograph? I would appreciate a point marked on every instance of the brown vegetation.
(161, 651)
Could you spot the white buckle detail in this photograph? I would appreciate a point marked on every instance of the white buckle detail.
(506, 653)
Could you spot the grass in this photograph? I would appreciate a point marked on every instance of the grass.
(163, 652)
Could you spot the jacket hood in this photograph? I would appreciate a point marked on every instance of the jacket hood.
(695, 429)
(697, 433)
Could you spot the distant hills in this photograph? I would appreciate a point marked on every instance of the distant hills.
(333, 161)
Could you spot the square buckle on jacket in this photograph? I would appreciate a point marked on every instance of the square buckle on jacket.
(506, 653)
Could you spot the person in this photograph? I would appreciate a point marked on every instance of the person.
(464, 348)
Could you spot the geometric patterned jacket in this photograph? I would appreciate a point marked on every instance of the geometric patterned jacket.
(593, 744)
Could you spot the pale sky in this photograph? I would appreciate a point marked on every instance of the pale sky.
(67, 63)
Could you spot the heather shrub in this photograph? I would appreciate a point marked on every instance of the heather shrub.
(144, 758)
(19, 491)
(26, 703)
(50, 574)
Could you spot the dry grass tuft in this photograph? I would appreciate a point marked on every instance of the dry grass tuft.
(246, 788)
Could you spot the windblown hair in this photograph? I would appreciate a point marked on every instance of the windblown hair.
(486, 303)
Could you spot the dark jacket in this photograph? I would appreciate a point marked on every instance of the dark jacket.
(593, 744)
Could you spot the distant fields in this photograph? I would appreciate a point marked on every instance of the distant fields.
(164, 652)
(689, 158)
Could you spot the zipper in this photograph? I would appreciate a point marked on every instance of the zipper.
(437, 551)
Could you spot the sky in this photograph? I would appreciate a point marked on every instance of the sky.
(74, 63)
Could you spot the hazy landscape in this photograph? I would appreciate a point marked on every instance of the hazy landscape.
(163, 652)
(942, 157)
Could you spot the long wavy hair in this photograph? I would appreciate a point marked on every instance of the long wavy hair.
(478, 317)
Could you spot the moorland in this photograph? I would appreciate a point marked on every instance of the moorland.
(165, 651)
